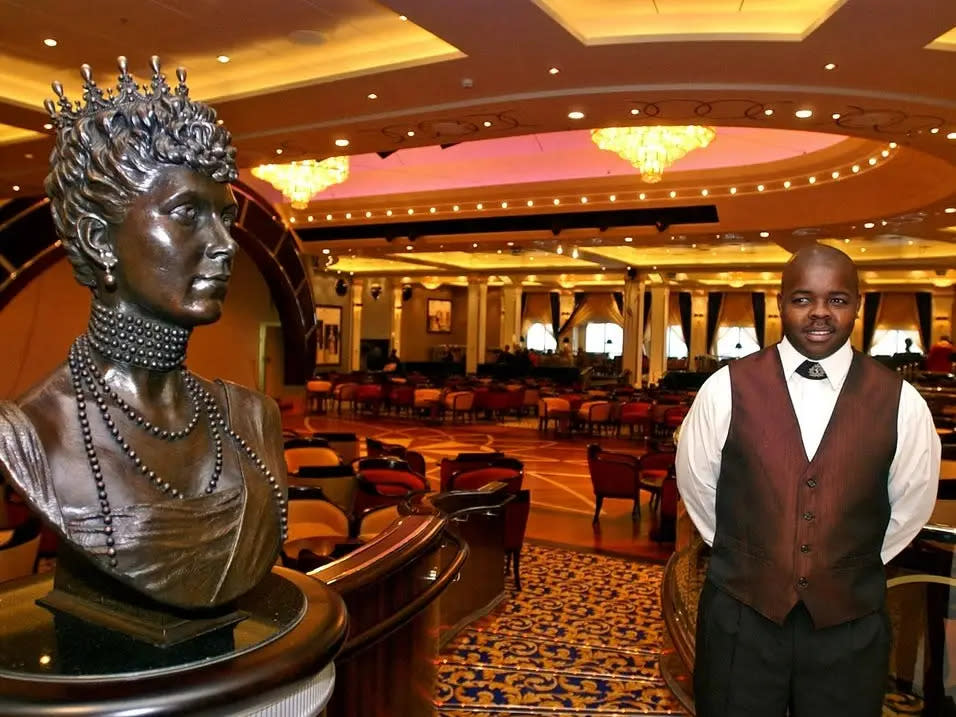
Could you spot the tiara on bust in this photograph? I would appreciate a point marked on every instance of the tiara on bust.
(126, 92)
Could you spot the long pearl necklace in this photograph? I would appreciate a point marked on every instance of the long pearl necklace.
(87, 381)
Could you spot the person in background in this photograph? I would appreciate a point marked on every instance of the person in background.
(940, 356)
(807, 466)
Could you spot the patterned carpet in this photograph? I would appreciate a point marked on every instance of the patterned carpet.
(583, 637)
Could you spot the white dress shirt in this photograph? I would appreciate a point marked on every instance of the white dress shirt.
(914, 472)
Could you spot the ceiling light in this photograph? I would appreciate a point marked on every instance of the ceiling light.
(628, 239)
(223, 59)
(474, 245)
(341, 142)
(846, 241)
(300, 181)
(835, 115)
(768, 112)
(560, 249)
(885, 153)
(556, 201)
(279, 150)
(348, 215)
(704, 192)
(869, 225)
(479, 205)
(872, 161)
(328, 217)
(498, 251)
(574, 253)
(486, 123)
(951, 135)
(372, 96)
(764, 235)
(410, 133)
(310, 217)
(812, 180)
(408, 247)
(455, 208)
(411, 211)
(575, 115)
(510, 243)
(834, 174)
(49, 42)
(504, 205)
(855, 168)
(388, 212)
(829, 66)
(16, 187)
(584, 200)
(432, 210)
(530, 202)
(652, 149)
(613, 198)
(642, 196)
(863, 250)
(786, 184)
(292, 220)
(635, 111)
(47, 125)
(553, 70)
(403, 18)
(733, 190)
(368, 215)
(760, 187)
(673, 194)
(893, 145)
(803, 114)
(935, 130)
(326, 251)
(950, 210)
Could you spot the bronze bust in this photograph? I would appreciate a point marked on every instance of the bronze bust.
(171, 484)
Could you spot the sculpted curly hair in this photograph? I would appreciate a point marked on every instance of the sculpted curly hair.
(102, 160)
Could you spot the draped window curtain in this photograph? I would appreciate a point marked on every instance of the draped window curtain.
(714, 301)
(555, 312)
(871, 307)
(897, 312)
(619, 300)
(924, 309)
(646, 338)
(736, 309)
(598, 307)
(684, 304)
(759, 300)
(535, 309)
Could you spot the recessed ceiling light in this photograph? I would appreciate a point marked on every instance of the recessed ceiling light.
(410, 133)
(935, 130)
(348, 215)
(812, 180)
(613, 198)
(673, 194)
(835, 174)
(584, 200)
(893, 145)
(556, 201)
(403, 18)
(278, 150)
(223, 59)
(635, 111)
(474, 245)
(855, 168)
(760, 187)
(388, 212)
(764, 235)
(863, 250)
(733, 190)
(326, 251)
(479, 205)
(574, 253)
(328, 217)
(498, 251)
(576, 115)
(341, 142)
(49, 42)
(455, 208)
(504, 205)
(372, 96)
(846, 241)
(16, 187)
(829, 66)
(553, 70)
(559, 250)
(768, 112)
(411, 211)
(803, 114)
(950, 210)
(408, 247)
(530, 202)
(292, 220)
(368, 215)
(310, 217)
(871, 161)
(432, 210)
(869, 225)
(786, 184)
(219, 122)
(835, 115)
(47, 125)
(885, 153)
(628, 239)
(642, 196)
(951, 135)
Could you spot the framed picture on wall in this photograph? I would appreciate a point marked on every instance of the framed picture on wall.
(328, 333)
(439, 316)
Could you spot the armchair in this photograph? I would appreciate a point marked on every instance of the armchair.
(614, 475)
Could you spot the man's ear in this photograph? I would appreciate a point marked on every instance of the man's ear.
(93, 236)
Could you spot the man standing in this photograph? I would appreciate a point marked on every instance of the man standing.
(807, 466)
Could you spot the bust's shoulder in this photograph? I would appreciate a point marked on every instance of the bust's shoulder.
(47, 399)
(242, 398)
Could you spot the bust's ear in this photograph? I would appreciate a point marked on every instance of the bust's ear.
(93, 236)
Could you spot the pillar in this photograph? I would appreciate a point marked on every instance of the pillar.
(395, 335)
(355, 335)
(698, 328)
(772, 326)
(660, 297)
(856, 338)
(633, 329)
(477, 305)
(510, 327)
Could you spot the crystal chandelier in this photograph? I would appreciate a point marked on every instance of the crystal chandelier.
(652, 149)
(300, 181)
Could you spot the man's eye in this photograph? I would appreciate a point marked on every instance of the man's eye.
(837, 300)
(801, 300)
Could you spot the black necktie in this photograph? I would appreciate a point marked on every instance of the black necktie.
(811, 370)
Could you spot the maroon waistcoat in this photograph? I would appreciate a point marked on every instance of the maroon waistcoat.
(790, 529)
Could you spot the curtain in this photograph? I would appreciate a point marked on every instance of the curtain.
(684, 304)
(535, 309)
(598, 307)
(898, 311)
(759, 300)
(619, 300)
(714, 300)
(555, 312)
(871, 306)
(736, 309)
(924, 308)
(647, 326)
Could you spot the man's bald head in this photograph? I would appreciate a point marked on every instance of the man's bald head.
(819, 255)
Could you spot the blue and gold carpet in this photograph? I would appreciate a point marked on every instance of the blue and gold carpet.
(582, 637)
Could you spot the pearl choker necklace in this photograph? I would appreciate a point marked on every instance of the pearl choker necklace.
(136, 341)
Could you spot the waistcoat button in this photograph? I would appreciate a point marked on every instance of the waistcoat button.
(803, 582)
(808, 515)
(804, 548)
(811, 483)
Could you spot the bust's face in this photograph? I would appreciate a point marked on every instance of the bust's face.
(174, 249)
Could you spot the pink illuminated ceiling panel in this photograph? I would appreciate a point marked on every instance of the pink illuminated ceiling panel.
(552, 157)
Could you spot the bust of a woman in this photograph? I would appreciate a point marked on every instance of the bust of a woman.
(171, 484)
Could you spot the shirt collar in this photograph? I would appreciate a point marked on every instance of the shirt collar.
(836, 365)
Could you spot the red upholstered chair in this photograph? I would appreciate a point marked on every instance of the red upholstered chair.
(614, 475)
(460, 403)
(368, 397)
(594, 413)
(385, 481)
(653, 470)
(402, 398)
(463, 462)
(516, 522)
(416, 461)
(344, 393)
(637, 414)
(376, 448)
(507, 472)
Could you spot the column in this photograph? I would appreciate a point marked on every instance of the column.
(633, 329)
(772, 327)
(942, 318)
(355, 333)
(660, 297)
(510, 316)
(477, 305)
(698, 328)
(856, 338)
(565, 309)
(395, 335)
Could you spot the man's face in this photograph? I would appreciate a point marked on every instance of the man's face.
(818, 305)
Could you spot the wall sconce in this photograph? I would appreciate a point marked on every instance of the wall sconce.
(376, 291)
(406, 292)
(341, 287)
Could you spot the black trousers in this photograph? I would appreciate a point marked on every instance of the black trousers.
(747, 665)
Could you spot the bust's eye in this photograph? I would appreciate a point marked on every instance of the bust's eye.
(184, 214)
(229, 218)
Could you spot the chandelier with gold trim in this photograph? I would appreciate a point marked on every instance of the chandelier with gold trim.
(652, 149)
(300, 181)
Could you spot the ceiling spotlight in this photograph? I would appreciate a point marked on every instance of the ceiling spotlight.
(835, 174)
(455, 208)
(764, 235)
(504, 205)
(486, 123)
(574, 253)
(278, 150)
(869, 225)
(812, 180)
(49, 42)
(556, 201)
(530, 202)
(871, 161)
(642, 196)
(479, 205)
(368, 215)
(613, 198)
(223, 59)
(348, 215)
(403, 18)
(560, 249)
(341, 142)
(893, 145)
(510, 243)
(411, 211)
(47, 125)
(16, 187)
(635, 111)
(829, 66)
(474, 245)
(704, 192)
(733, 190)
(388, 212)
(950, 210)
(410, 133)
(803, 114)
(553, 70)
(372, 96)
(575, 115)
(835, 115)
(326, 251)
(951, 135)
(628, 239)
(786, 184)
(935, 130)
(584, 200)
(408, 247)
(432, 210)
(855, 168)
(328, 217)
(310, 218)
(760, 187)
(768, 112)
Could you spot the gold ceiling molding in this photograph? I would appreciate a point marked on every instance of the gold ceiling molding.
(10, 134)
(604, 22)
(946, 41)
